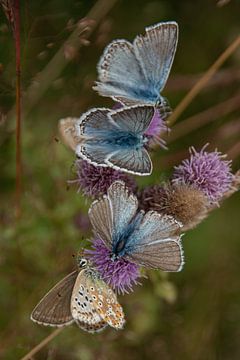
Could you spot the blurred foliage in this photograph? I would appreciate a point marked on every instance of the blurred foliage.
(191, 315)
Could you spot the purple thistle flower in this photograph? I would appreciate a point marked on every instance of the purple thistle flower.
(95, 180)
(207, 171)
(120, 274)
(157, 125)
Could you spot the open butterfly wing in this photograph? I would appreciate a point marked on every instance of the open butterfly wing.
(133, 161)
(166, 255)
(54, 308)
(135, 119)
(155, 52)
(156, 243)
(101, 217)
(110, 215)
(95, 127)
(96, 124)
(93, 152)
(123, 205)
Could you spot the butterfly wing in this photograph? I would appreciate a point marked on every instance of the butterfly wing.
(156, 243)
(101, 217)
(133, 161)
(96, 123)
(136, 120)
(107, 304)
(95, 127)
(97, 327)
(105, 135)
(110, 215)
(138, 73)
(93, 304)
(54, 308)
(155, 52)
(120, 73)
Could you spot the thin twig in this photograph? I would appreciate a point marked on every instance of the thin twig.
(222, 78)
(43, 343)
(196, 121)
(203, 81)
(18, 108)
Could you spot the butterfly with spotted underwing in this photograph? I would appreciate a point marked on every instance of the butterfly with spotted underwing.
(81, 297)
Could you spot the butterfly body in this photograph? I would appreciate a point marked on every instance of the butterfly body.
(123, 242)
(81, 297)
(119, 140)
(148, 239)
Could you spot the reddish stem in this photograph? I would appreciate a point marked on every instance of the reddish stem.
(18, 107)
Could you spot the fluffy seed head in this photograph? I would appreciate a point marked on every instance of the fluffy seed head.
(185, 203)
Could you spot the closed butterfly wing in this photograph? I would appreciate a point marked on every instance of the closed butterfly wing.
(107, 304)
(82, 308)
(54, 308)
(97, 327)
(137, 73)
(155, 52)
(156, 243)
(93, 304)
(120, 74)
(110, 215)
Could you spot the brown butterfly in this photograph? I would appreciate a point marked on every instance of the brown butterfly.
(81, 297)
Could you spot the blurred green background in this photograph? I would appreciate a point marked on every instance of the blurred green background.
(194, 314)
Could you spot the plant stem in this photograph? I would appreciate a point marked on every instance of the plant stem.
(44, 342)
(18, 108)
(204, 117)
(203, 81)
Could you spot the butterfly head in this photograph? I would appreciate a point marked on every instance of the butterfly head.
(163, 107)
(82, 262)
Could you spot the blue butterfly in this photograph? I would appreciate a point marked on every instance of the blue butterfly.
(113, 138)
(149, 239)
(137, 73)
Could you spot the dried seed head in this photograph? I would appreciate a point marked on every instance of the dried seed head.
(185, 203)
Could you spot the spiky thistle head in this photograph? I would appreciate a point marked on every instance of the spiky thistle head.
(95, 180)
(206, 171)
(120, 273)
